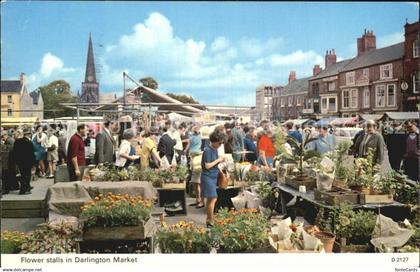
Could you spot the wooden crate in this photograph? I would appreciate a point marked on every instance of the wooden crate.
(372, 199)
(119, 233)
(309, 182)
(337, 196)
(181, 185)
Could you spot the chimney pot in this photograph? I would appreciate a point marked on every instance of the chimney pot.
(22, 78)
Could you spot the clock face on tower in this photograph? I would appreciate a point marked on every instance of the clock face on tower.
(90, 78)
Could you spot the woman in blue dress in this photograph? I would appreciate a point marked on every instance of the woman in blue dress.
(210, 169)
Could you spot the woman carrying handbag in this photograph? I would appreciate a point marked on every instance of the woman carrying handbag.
(209, 174)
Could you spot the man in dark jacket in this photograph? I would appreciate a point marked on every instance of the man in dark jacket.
(166, 146)
(25, 160)
(105, 143)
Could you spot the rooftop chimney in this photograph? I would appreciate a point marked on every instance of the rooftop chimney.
(366, 43)
(330, 58)
(317, 69)
(292, 76)
(22, 78)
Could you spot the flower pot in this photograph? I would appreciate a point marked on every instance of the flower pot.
(340, 182)
(327, 239)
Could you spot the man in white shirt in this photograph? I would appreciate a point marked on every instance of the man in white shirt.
(52, 152)
(176, 135)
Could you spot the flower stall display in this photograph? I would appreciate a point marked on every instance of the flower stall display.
(183, 237)
(53, 237)
(158, 177)
(11, 241)
(244, 230)
(116, 217)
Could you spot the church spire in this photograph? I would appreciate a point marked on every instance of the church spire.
(90, 88)
(90, 75)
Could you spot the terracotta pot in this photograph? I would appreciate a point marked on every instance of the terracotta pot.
(340, 182)
(327, 239)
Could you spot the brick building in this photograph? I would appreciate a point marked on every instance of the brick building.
(264, 99)
(323, 89)
(411, 75)
(288, 104)
(370, 83)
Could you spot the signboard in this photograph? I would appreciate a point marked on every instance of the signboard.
(147, 109)
(404, 86)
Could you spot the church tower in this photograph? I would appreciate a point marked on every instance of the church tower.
(90, 87)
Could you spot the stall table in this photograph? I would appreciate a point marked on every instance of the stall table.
(396, 209)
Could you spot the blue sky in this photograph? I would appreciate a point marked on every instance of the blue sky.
(216, 52)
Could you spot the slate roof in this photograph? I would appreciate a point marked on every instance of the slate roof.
(378, 56)
(11, 86)
(333, 69)
(296, 86)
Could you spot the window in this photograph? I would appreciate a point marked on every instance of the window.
(315, 88)
(416, 49)
(391, 95)
(282, 102)
(332, 104)
(9, 112)
(324, 103)
(386, 71)
(346, 98)
(366, 73)
(366, 97)
(298, 100)
(290, 101)
(9, 99)
(380, 96)
(308, 103)
(354, 97)
(350, 78)
(331, 86)
(415, 84)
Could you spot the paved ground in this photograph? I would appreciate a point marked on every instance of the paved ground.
(39, 193)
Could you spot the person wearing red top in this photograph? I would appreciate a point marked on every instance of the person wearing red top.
(266, 149)
(76, 154)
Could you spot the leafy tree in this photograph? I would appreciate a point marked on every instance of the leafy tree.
(55, 93)
(183, 98)
(150, 82)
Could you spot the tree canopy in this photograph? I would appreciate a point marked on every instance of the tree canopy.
(150, 82)
(53, 94)
(187, 99)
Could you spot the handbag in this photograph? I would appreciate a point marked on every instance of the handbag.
(222, 181)
(52, 148)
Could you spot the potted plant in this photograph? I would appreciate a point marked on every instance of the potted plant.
(239, 231)
(116, 217)
(299, 156)
(341, 172)
(183, 237)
